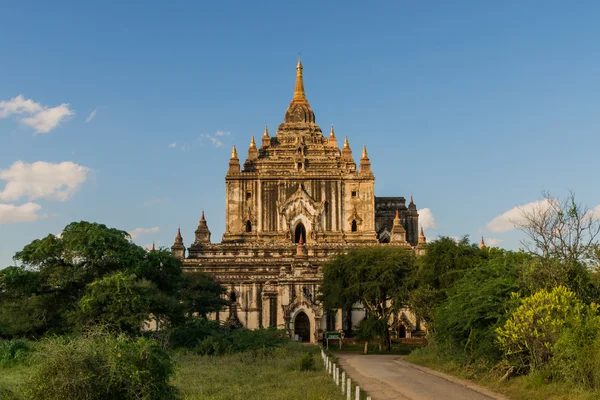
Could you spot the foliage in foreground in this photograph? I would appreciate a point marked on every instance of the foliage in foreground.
(14, 352)
(534, 386)
(529, 335)
(523, 322)
(101, 366)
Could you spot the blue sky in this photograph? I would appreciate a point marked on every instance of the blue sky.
(473, 107)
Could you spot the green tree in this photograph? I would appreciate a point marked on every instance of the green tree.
(375, 276)
(444, 263)
(479, 303)
(66, 280)
(201, 294)
(120, 302)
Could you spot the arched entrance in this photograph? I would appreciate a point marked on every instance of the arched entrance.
(300, 232)
(302, 326)
(402, 331)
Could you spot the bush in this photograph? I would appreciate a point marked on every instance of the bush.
(194, 330)
(241, 340)
(307, 362)
(576, 353)
(102, 366)
(13, 352)
(530, 333)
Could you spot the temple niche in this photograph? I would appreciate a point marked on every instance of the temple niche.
(295, 202)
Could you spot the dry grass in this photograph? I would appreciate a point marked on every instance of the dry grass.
(252, 376)
(531, 387)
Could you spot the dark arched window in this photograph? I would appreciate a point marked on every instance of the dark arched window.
(354, 227)
(232, 297)
(300, 233)
(248, 226)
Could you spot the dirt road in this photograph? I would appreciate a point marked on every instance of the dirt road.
(387, 377)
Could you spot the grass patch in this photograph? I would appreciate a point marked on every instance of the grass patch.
(12, 381)
(270, 374)
(531, 387)
(266, 375)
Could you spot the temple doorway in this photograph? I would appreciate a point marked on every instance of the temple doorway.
(302, 327)
(300, 233)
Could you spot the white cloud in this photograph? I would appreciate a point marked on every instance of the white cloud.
(47, 119)
(216, 142)
(10, 213)
(222, 133)
(19, 105)
(42, 180)
(493, 242)
(426, 219)
(41, 118)
(513, 217)
(137, 232)
(91, 116)
(595, 212)
(173, 145)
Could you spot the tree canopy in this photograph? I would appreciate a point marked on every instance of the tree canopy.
(94, 274)
(377, 277)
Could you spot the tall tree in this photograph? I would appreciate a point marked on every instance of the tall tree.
(377, 277)
(91, 273)
(558, 228)
(444, 263)
(563, 234)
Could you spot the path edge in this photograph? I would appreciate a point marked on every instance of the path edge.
(463, 382)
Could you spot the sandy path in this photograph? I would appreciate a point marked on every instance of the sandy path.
(387, 377)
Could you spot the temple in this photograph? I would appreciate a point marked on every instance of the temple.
(295, 202)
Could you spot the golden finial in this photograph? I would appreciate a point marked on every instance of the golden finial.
(299, 95)
(153, 248)
(364, 152)
(482, 244)
(411, 199)
(346, 144)
(234, 152)
(331, 132)
(178, 232)
(422, 239)
(266, 134)
(397, 216)
(252, 143)
(202, 218)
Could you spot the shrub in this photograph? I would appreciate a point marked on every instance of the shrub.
(13, 352)
(240, 340)
(307, 362)
(576, 353)
(194, 330)
(101, 366)
(534, 327)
